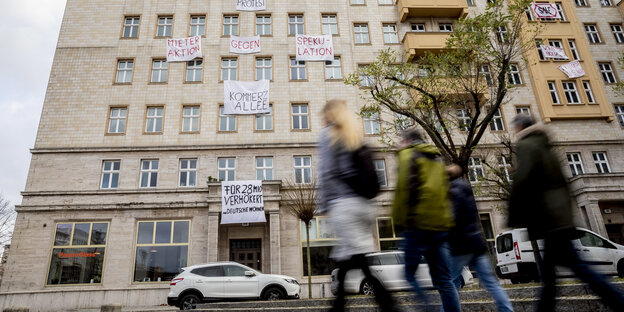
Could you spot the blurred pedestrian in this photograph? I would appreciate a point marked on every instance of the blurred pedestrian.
(422, 211)
(540, 201)
(468, 245)
(344, 198)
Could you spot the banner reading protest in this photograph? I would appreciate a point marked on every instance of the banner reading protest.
(545, 10)
(246, 97)
(242, 202)
(244, 45)
(573, 69)
(553, 52)
(315, 48)
(185, 49)
(251, 5)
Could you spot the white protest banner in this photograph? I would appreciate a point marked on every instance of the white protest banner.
(250, 5)
(553, 52)
(185, 49)
(545, 10)
(315, 48)
(244, 45)
(573, 69)
(242, 202)
(246, 97)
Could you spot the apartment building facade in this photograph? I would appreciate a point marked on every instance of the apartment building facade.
(123, 185)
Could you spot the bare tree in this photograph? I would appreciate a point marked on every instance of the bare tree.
(7, 220)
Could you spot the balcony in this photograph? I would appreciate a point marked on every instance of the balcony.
(432, 8)
(417, 43)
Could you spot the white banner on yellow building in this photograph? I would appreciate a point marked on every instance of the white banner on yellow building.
(545, 10)
(242, 202)
(573, 69)
(184, 49)
(553, 52)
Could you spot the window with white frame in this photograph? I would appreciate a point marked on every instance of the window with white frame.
(198, 25)
(372, 123)
(333, 69)
(601, 162)
(388, 238)
(619, 114)
(470, 2)
(149, 173)
(606, 3)
(365, 80)
(188, 172)
(418, 27)
(295, 24)
(560, 10)
(330, 24)
(513, 76)
(227, 168)
(402, 122)
(131, 27)
(496, 124)
(165, 26)
(557, 44)
(264, 122)
(581, 3)
(475, 169)
(503, 167)
(539, 43)
(159, 71)
(230, 25)
(110, 174)
(523, 110)
(463, 118)
(229, 66)
(263, 25)
(573, 49)
(484, 70)
(303, 169)
(117, 120)
(592, 33)
(502, 34)
(554, 95)
(607, 72)
(529, 13)
(380, 169)
(358, 2)
(445, 27)
(386, 2)
(154, 119)
(190, 118)
(390, 33)
(124, 71)
(194, 70)
(361, 34)
(588, 92)
(227, 123)
(264, 168)
(297, 69)
(575, 163)
(571, 94)
(300, 117)
(618, 34)
(264, 68)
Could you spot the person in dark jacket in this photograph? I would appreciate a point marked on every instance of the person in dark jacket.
(467, 242)
(540, 201)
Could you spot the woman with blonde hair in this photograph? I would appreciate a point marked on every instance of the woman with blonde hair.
(349, 213)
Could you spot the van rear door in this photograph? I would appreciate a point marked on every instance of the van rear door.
(506, 253)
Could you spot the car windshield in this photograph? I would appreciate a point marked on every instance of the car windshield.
(504, 243)
(245, 268)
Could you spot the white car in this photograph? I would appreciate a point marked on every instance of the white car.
(515, 258)
(227, 280)
(388, 268)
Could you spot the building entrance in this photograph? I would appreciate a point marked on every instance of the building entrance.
(247, 252)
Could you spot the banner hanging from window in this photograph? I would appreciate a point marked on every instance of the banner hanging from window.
(244, 45)
(545, 10)
(553, 52)
(184, 49)
(242, 202)
(315, 48)
(246, 97)
(250, 5)
(573, 69)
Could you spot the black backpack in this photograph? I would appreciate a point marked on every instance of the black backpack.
(366, 182)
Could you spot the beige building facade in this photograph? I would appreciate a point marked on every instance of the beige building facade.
(123, 185)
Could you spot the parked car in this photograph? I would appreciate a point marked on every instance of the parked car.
(227, 280)
(388, 268)
(515, 258)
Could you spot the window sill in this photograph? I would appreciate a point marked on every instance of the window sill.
(263, 131)
(363, 44)
(298, 80)
(126, 38)
(189, 132)
(152, 133)
(334, 79)
(300, 130)
(193, 82)
(157, 83)
(114, 134)
(162, 37)
(226, 132)
(122, 83)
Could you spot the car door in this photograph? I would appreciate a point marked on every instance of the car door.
(237, 285)
(210, 281)
(596, 251)
(389, 271)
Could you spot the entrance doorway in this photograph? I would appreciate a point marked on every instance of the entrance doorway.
(247, 252)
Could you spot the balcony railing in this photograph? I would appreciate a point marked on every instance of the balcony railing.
(432, 8)
(417, 43)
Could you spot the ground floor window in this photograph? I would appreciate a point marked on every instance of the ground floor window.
(488, 231)
(388, 240)
(161, 250)
(322, 239)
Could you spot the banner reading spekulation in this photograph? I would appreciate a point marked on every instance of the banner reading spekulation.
(553, 52)
(184, 49)
(315, 48)
(251, 5)
(242, 202)
(246, 97)
(244, 45)
(572, 69)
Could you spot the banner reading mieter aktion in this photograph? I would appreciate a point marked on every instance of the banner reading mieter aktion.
(242, 202)
(183, 49)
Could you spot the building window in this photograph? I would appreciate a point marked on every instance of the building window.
(263, 25)
(300, 117)
(496, 124)
(322, 240)
(230, 25)
(581, 3)
(227, 123)
(229, 68)
(161, 250)
(617, 32)
(188, 172)
(475, 169)
(575, 163)
(366, 81)
(573, 49)
(117, 120)
(227, 169)
(295, 24)
(418, 27)
(556, 44)
(194, 70)
(488, 231)
(502, 34)
(333, 69)
(539, 44)
(380, 169)
(303, 169)
(402, 122)
(110, 174)
(124, 71)
(529, 13)
(198, 26)
(388, 238)
(619, 114)
(149, 173)
(264, 69)
(560, 9)
(601, 162)
(569, 89)
(464, 119)
(588, 92)
(523, 110)
(386, 2)
(592, 33)
(504, 166)
(606, 3)
(554, 95)
(445, 27)
(264, 168)
(165, 26)
(131, 27)
(470, 2)
(330, 24)
(513, 76)
(361, 34)
(78, 253)
(297, 69)
(390, 33)
(358, 2)
(372, 123)
(607, 73)
(159, 71)
(484, 70)
(154, 119)
(190, 119)
(264, 122)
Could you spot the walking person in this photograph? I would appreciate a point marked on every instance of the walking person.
(422, 211)
(540, 201)
(468, 245)
(344, 199)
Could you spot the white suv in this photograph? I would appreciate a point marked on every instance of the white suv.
(227, 280)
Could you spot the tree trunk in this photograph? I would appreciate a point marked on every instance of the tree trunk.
(308, 258)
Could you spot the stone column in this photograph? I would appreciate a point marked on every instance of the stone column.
(594, 216)
(274, 235)
(213, 237)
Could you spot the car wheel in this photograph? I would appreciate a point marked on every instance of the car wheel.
(189, 302)
(367, 288)
(620, 268)
(274, 293)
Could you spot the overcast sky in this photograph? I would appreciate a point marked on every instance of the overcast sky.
(28, 33)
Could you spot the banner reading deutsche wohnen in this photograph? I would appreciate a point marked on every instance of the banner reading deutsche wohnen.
(184, 49)
(246, 97)
(314, 48)
(242, 202)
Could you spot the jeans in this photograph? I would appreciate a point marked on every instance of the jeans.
(483, 266)
(558, 250)
(433, 246)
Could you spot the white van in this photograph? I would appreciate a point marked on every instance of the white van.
(515, 259)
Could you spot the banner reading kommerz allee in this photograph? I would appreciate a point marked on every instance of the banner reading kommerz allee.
(246, 97)
(184, 49)
(250, 5)
(242, 202)
(315, 48)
